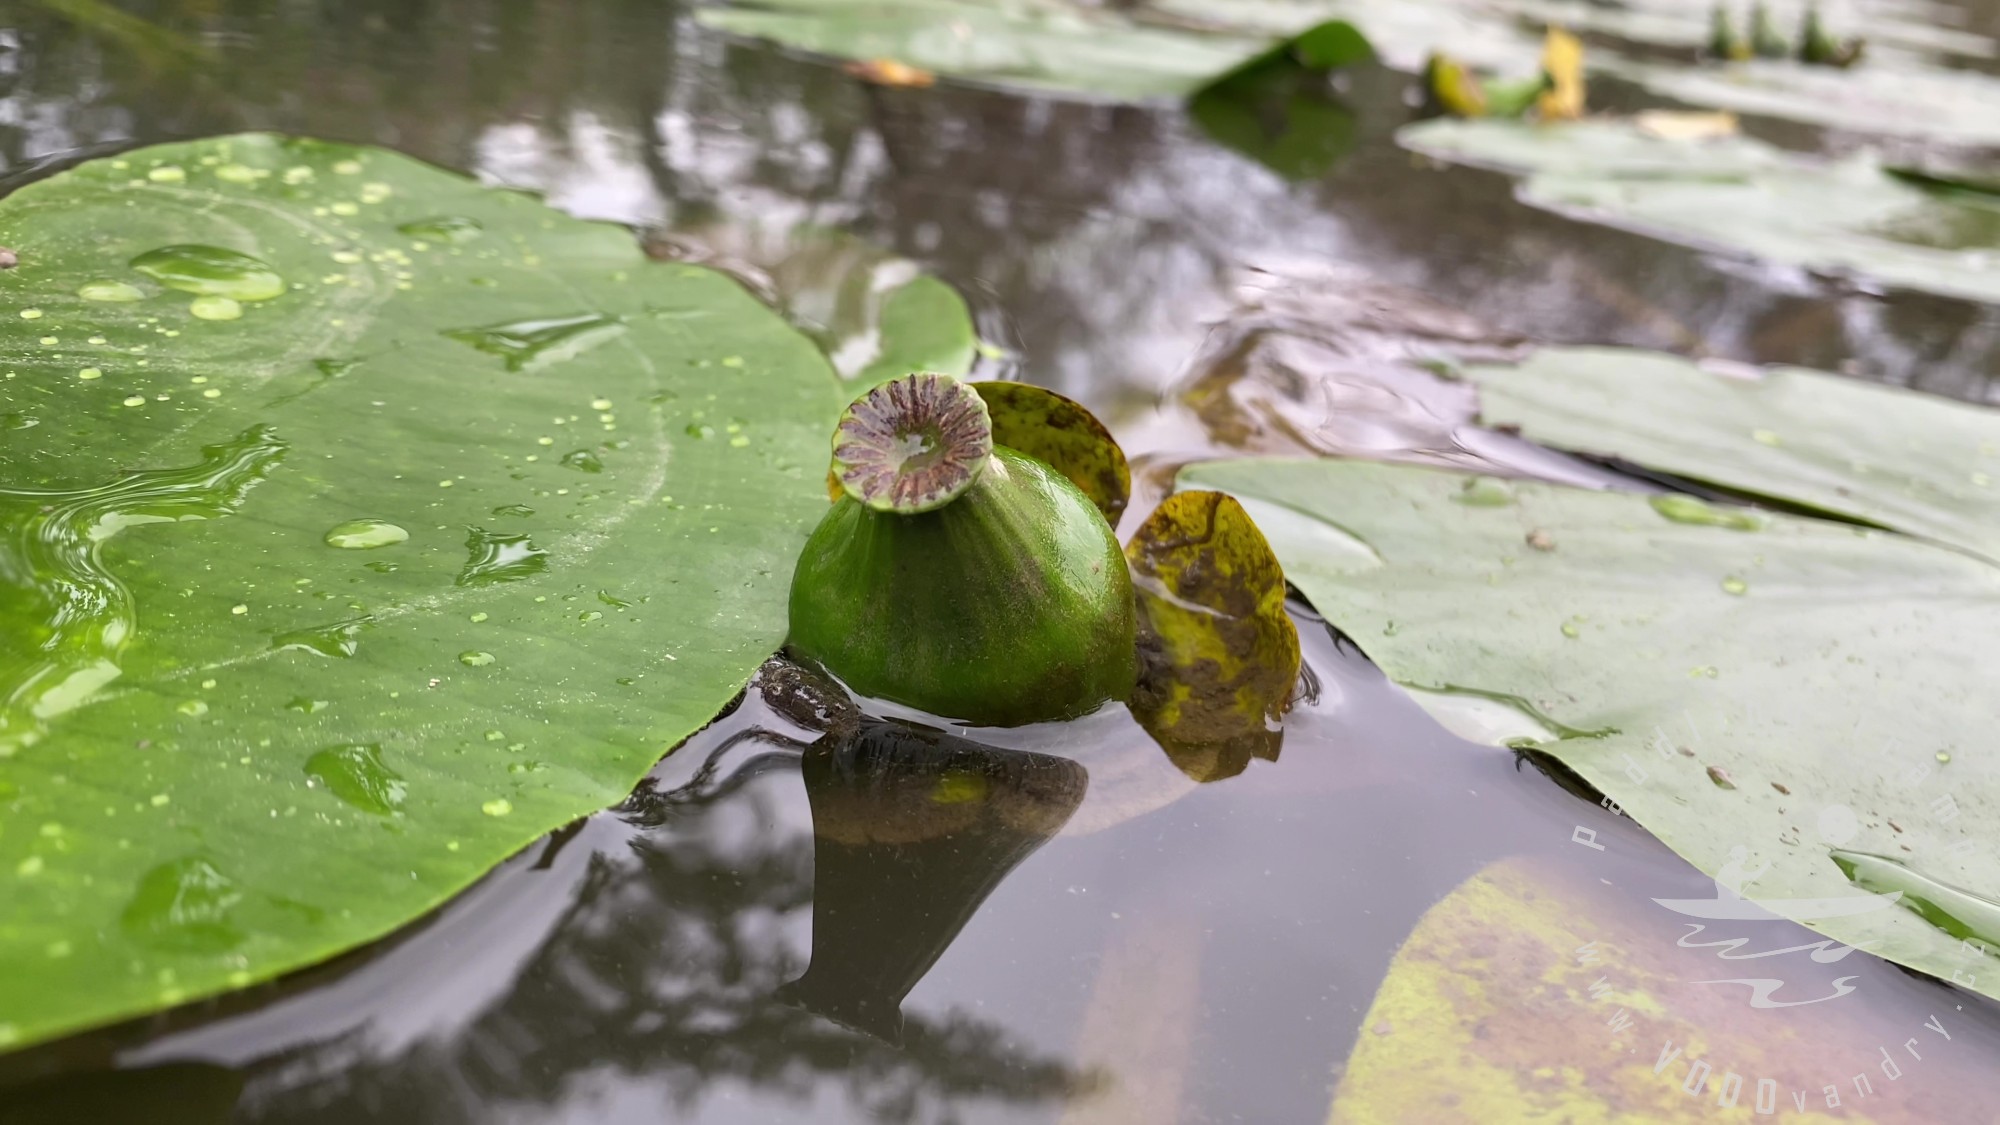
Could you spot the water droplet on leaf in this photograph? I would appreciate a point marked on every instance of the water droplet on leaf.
(364, 534)
(494, 557)
(357, 775)
(454, 229)
(215, 308)
(1682, 508)
(537, 342)
(211, 271)
(110, 291)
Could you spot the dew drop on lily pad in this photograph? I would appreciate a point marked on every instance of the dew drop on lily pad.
(357, 775)
(453, 229)
(364, 534)
(1682, 508)
(211, 271)
(215, 308)
(583, 461)
(498, 806)
(1485, 492)
(474, 659)
(117, 292)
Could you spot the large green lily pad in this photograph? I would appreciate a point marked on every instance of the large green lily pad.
(1742, 197)
(405, 520)
(1919, 464)
(1786, 691)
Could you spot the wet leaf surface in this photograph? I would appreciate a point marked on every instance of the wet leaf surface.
(1834, 675)
(1059, 431)
(1219, 656)
(262, 698)
(1922, 465)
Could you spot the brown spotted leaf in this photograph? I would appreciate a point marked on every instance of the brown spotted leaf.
(1219, 657)
(1058, 430)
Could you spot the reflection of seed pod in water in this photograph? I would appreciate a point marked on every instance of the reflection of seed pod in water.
(912, 830)
(173, 1094)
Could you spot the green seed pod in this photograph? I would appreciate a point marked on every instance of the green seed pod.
(957, 576)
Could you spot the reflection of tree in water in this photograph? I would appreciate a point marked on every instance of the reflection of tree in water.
(663, 971)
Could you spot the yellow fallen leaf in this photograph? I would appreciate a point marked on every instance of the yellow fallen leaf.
(1679, 125)
(1562, 61)
(1453, 88)
(889, 72)
(1219, 655)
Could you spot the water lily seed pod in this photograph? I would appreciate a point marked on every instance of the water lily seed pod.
(966, 579)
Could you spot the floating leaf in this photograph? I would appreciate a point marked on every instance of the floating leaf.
(1043, 45)
(1277, 108)
(1896, 97)
(1742, 196)
(889, 72)
(1838, 684)
(237, 731)
(1061, 432)
(1219, 654)
(1920, 464)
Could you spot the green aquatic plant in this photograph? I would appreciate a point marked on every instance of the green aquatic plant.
(1454, 89)
(958, 575)
(1765, 42)
(1724, 41)
(1818, 48)
(1555, 93)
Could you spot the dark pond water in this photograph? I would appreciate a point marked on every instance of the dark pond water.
(1126, 945)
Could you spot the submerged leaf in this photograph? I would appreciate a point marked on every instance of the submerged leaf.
(1536, 993)
(1219, 654)
(1835, 676)
(259, 702)
(1063, 433)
